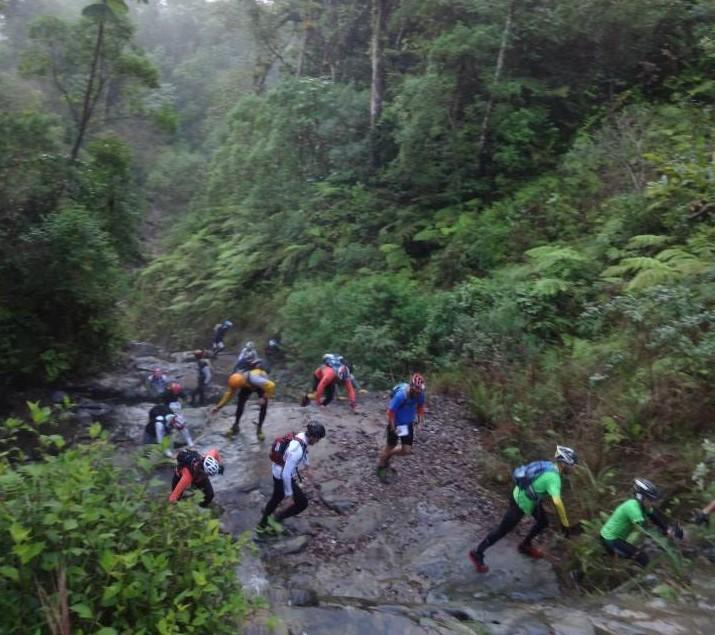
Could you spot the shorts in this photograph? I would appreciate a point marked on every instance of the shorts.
(406, 439)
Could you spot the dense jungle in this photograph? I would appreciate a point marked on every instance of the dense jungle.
(514, 198)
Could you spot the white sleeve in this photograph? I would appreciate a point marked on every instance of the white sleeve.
(159, 428)
(291, 464)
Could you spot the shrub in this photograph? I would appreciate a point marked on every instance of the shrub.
(87, 547)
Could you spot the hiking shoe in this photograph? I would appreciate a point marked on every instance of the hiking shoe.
(531, 551)
(260, 436)
(305, 401)
(382, 474)
(275, 527)
(478, 561)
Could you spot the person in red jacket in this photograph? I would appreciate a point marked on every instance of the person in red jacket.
(194, 470)
(325, 379)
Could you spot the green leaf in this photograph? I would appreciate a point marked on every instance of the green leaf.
(199, 578)
(27, 552)
(19, 533)
(107, 560)
(84, 611)
(10, 572)
(95, 430)
(118, 6)
(107, 630)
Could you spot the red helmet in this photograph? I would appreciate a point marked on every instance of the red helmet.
(417, 382)
(175, 388)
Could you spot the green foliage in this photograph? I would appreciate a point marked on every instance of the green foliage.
(79, 534)
(62, 285)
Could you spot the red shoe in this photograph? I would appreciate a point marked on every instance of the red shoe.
(478, 562)
(531, 551)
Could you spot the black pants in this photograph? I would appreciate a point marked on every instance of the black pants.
(300, 501)
(197, 396)
(204, 485)
(243, 396)
(510, 520)
(329, 393)
(624, 549)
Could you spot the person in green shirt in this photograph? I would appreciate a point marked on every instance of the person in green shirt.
(620, 532)
(527, 500)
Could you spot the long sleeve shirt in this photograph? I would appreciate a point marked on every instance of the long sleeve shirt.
(295, 455)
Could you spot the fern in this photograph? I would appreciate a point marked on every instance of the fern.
(647, 240)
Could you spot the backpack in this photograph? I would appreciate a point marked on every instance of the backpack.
(397, 387)
(280, 445)
(524, 475)
(189, 458)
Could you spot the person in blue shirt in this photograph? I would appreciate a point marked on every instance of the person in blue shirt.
(407, 408)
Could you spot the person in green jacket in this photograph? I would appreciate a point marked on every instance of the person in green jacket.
(527, 500)
(620, 532)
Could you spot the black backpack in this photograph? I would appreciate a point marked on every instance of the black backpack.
(191, 459)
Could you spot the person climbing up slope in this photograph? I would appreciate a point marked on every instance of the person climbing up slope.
(620, 532)
(254, 381)
(335, 369)
(203, 378)
(532, 483)
(288, 453)
(162, 421)
(407, 408)
(195, 470)
(219, 333)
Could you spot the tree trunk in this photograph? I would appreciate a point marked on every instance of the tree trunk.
(377, 87)
(88, 103)
(506, 33)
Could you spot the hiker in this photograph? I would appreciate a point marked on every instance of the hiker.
(220, 331)
(274, 346)
(158, 382)
(245, 384)
(620, 531)
(162, 422)
(194, 470)
(173, 396)
(407, 408)
(532, 483)
(203, 378)
(246, 358)
(288, 453)
(334, 369)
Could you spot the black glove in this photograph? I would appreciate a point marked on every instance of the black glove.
(701, 518)
(220, 469)
(677, 531)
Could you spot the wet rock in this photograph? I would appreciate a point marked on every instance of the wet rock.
(340, 505)
(303, 597)
(291, 545)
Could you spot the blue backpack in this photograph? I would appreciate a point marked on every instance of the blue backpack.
(524, 476)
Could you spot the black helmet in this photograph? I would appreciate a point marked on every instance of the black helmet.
(643, 488)
(565, 455)
(315, 430)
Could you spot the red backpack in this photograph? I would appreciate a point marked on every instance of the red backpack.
(280, 445)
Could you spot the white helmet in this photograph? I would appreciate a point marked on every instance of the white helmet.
(211, 466)
(566, 455)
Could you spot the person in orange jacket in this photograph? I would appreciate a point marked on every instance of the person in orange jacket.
(194, 470)
(325, 378)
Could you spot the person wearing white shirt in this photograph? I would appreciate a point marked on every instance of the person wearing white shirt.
(285, 474)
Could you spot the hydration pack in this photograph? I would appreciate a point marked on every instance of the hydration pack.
(524, 475)
(280, 445)
(189, 458)
(398, 387)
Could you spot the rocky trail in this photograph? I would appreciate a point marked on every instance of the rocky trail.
(368, 557)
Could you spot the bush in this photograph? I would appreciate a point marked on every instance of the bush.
(86, 548)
